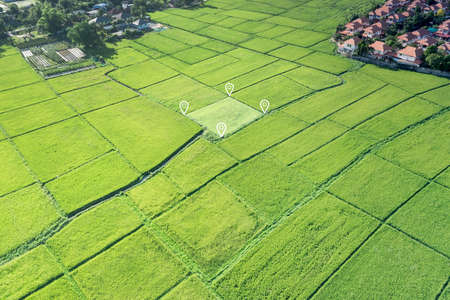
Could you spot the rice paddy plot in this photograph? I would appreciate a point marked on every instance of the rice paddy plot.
(245, 14)
(444, 177)
(390, 264)
(191, 288)
(204, 160)
(230, 226)
(224, 34)
(18, 78)
(261, 134)
(262, 44)
(181, 22)
(285, 21)
(32, 117)
(13, 63)
(233, 113)
(78, 80)
(329, 63)
(56, 149)
(194, 55)
(262, 7)
(60, 288)
(290, 52)
(93, 231)
(420, 149)
(23, 96)
(303, 38)
(25, 213)
(161, 43)
(218, 46)
(253, 26)
(338, 229)
(155, 195)
(184, 36)
(208, 65)
(275, 31)
(312, 78)
(88, 183)
(439, 96)
(377, 186)
(230, 22)
(127, 56)
(144, 74)
(136, 267)
(211, 18)
(145, 132)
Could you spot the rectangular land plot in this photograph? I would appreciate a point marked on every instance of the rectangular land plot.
(332, 157)
(181, 88)
(23, 96)
(35, 116)
(182, 22)
(145, 132)
(88, 183)
(267, 186)
(194, 55)
(204, 161)
(440, 96)
(303, 38)
(253, 26)
(262, 7)
(397, 118)
(61, 288)
(321, 104)
(317, 237)
(136, 267)
(329, 63)
(421, 149)
(155, 195)
(74, 81)
(313, 79)
(262, 44)
(229, 111)
(275, 31)
(184, 36)
(18, 78)
(262, 134)
(26, 273)
(96, 96)
(279, 90)
(306, 141)
(280, 20)
(444, 177)
(211, 18)
(93, 231)
(54, 150)
(191, 288)
(24, 214)
(290, 52)
(370, 105)
(377, 186)
(426, 217)
(127, 56)
(211, 226)
(218, 46)
(15, 174)
(390, 264)
(214, 63)
(230, 22)
(161, 43)
(224, 34)
(249, 15)
(143, 74)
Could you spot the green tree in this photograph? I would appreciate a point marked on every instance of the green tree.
(51, 21)
(86, 35)
(363, 48)
(139, 8)
(436, 61)
(3, 30)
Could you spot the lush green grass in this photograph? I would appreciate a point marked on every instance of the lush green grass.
(290, 52)
(303, 38)
(15, 175)
(20, 97)
(26, 273)
(426, 217)
(262, 7)
(420, 150)
(230, 225)
(233, 113)
(389, 264)
(191, 288)
(440, 96)
(138, 125)
(161, 43)
(444, 178)
(326, 46)
(313, 79)
(194, 55)
(184, 36)
(267, 186)
(275, 31)
(301, 253)
(332, 157)
(181, 22)
(244, 14)
(61, 288)
(306, 141)
(97, 96)
(224, 34)
(211, 18)
(377, 186)
(181, 88)
(127, 56)
(370, 105)
(208, 65)
(204, 161)
(60, 147)
(253, 26)
(137, 267)
(12, 63)
(93, 231)
(262, 134)
(25, 214)
(155, 195)
(17, 78)
(279, 90)
(35, 116)
(218, 46)
(78, 80)
(397, 118)
(329, 63)
(262, 44)
(143, 74)
(230, 22)
(280, 20)
(91, 181)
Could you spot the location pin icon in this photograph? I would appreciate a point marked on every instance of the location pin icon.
(229, 88)
(184, 106)
(264, 104)
(221, 129)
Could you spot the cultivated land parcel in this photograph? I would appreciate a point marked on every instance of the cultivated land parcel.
(340, 191)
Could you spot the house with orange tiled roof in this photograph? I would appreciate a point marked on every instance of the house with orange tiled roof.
(381, 12)
(445, 47)
(444, 30)
(364, 21)
(349, 46)
(398, 18)
(410, 56)
(427, 42)
(411, 37)
(374, 30)
(380, 49)
(354, 27)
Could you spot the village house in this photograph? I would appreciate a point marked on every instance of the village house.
(396, 3)
(380, 49)
(445, 48)
(349, 46)
(375, 30)
(426, 42)
(410, 55)
(381, 12)
(416, 3)
(398, 18)
(444, 30)
(411, 37)
(354, 27)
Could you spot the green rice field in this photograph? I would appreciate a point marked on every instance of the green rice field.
(339, 190)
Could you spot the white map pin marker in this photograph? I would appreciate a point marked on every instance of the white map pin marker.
(184, 106)
(221, 129)
(264, 104)
(229, 88)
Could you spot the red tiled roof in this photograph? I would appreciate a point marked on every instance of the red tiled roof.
(428, 41)
(420, 33)
(411, 51)
(406, 37)
(445, 47)
(380, 46)
(353, 41)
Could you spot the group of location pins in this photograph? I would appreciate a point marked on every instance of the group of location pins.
(221, 127)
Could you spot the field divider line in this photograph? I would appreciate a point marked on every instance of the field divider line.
(189, 274)
(441, 291)
(24, 85)
(18, 189)
(78, 88)
(28, 105)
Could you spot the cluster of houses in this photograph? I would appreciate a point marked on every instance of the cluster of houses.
(413, 43)
(117, 20)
